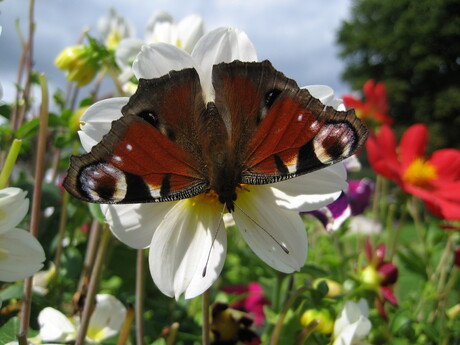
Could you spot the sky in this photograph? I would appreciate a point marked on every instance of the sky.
(297, 36)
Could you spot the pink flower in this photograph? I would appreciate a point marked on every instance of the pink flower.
(252, 300)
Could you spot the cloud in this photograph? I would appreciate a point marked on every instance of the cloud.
(297, 36)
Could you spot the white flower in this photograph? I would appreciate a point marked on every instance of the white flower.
(21, 255)
(114, 28)
(106, 321)
(365, 226)
(180, 234)
(352, 325)
(41, 280)
(160, 28)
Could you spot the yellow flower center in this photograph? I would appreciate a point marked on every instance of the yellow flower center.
(96, 334)
(420, 172)
(113, 39)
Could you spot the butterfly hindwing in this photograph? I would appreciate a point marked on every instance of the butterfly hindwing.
(151, 153)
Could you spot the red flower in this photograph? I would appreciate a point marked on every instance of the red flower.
(374, 110)
(435, 180)
(253, 300)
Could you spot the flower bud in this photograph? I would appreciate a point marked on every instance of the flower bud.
(78, 63)
(323, 315)
(335, 288)
(74, 121)
(370, 277)
(453, 312)
(68, 58)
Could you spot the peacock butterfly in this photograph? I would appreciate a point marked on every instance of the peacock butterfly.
(172, 144)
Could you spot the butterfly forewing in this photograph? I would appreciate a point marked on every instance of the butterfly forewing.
(152, 152)
(279, 130)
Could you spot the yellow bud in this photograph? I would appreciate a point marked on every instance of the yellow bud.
(371, 277)
(323, 315)
(453, 312)
(77, 61)
(335, 288)
(74, 122)
(69, 57)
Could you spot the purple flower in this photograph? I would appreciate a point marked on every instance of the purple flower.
(352, 201)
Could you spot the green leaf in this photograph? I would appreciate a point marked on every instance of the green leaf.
(12, 291)
(28, 129)
(96, 212)
(9, 331)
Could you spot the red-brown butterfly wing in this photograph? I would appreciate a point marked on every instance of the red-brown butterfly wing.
(278, 130)
(152, 152)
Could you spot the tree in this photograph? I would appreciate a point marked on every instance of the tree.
(414, 48)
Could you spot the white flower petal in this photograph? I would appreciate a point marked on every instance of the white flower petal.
(322, 92)
(107, 318)
(190, 29)
(159, 17)
(13, 207)
(97, 120)
(221, 45)
(125, 54)
(311, 191)
(113, 22)
(180, 248)
(352, 324)
(157, 59)
(279, 227)
(55, 326)
(326, 95)
(362, 225)
(134, 224)
(21, 255)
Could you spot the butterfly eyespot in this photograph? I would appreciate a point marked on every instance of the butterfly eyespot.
(150, 116)
(334, 141)
(103, 181)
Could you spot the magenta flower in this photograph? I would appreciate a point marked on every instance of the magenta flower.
(352, 202)
(252, 300)
(379, 275)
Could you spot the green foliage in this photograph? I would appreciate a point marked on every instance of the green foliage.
(412, 46)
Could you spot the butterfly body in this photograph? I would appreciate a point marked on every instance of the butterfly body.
(172, 144)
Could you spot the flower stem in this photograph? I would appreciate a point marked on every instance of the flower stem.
(172, 333)
(91, 249)
(140, 292)
(306, 332)
(36, 199)
(92, 287)
(26, 62)
(124, 333)
(206, 322)
(279, 324)
(9, 162)
(63, 222)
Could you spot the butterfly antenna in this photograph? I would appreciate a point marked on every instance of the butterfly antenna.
(213, 240)
(283, 247)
